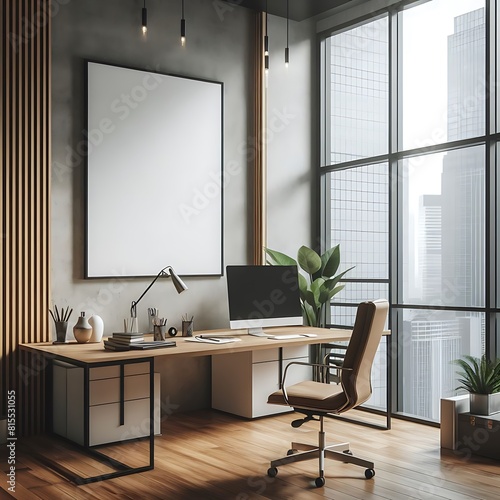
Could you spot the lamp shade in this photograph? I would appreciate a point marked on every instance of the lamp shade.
(180, 286)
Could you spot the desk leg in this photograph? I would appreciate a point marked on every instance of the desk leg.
(122, 469)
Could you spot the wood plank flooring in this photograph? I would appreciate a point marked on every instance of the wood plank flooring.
(211, 455)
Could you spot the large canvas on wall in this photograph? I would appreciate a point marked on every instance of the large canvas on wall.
(154, 173)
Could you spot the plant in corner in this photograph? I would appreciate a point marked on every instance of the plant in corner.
(481, 378)
(322, 285)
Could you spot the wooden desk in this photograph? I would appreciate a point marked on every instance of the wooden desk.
(89, 356)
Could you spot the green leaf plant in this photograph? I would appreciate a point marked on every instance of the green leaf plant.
(321, 283)
(478, 375)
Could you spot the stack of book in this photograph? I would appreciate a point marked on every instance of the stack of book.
(122, 341)
(125, 341)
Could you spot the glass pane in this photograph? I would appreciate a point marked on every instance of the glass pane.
(359, 92)
(428, 342)
(442, 61)
(443, 228)
(359, 220)
(354, 293)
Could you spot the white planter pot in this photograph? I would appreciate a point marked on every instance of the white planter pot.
(485, 404)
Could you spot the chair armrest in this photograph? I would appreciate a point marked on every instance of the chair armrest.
(303, 363)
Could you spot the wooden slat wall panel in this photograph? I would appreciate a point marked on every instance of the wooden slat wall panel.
(25, 203)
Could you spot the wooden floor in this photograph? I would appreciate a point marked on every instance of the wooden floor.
(210, 455)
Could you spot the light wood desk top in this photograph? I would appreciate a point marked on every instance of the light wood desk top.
(95, 353)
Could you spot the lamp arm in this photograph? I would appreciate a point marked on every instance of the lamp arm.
(133, 307)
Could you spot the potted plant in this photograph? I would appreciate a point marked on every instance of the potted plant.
(481, 378)
(322, 283)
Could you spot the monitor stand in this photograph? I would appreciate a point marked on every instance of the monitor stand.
(257, 332)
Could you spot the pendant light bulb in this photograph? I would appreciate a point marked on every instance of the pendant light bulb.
(183, 26)
(144, 19)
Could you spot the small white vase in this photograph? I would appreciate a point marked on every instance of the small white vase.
(97, 325)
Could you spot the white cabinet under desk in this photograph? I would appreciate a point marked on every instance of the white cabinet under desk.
(104, 402)
(241, 382)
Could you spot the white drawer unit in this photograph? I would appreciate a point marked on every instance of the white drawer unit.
(241, 382)
(104, 402)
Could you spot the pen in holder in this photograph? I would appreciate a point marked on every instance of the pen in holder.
(130, 325)
(160, 328)
(159, 332)
(60, 318)
(187, 326)
(152, 316)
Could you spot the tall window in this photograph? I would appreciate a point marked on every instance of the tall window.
(408, 154)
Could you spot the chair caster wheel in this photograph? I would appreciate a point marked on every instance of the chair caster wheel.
(272, 472)
(291, 452)
(319, 482)
(369, 473)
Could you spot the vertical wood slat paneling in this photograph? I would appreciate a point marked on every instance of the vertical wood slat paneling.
(24, 206)
(260, 162)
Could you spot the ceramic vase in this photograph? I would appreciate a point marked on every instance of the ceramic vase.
(97, 325)
(82, 330)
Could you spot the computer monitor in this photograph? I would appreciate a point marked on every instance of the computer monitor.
(261, 296)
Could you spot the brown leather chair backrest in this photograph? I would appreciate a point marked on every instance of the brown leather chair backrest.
(365, 339)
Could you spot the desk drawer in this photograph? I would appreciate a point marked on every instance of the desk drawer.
(108, 390)
(265, 355)
(104, 424)
(103, 372)
(104, 419)
(292, 352)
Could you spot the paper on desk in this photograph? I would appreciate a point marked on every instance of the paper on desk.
(212, 339)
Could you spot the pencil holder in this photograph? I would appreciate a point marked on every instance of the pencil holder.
(160, 332)
(61, 328)
(187, 328)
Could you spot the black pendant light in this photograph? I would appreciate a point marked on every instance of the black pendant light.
(183, 26)
(287, 51)
(144, 19)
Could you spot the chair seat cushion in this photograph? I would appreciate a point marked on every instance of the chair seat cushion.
(311, 395)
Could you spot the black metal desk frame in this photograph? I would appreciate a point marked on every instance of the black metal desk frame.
(121, 468)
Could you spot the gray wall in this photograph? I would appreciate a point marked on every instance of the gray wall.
(219, 47)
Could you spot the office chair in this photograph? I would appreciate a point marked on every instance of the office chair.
(317, 399)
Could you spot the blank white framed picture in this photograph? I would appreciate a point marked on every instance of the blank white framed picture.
(154, 173)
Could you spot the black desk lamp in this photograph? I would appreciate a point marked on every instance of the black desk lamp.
(180, 286)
